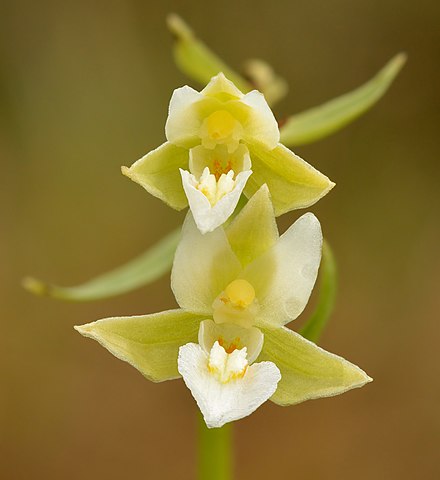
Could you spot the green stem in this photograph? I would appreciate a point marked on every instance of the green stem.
(215, 452)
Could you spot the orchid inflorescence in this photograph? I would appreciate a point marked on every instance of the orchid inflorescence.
(236, 280)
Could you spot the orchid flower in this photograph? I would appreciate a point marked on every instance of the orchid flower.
(220, 143)
(236, 288)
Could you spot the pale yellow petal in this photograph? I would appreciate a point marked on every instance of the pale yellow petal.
(284, 276)
(254, 229)
(307, 371)
(183, 122)
(158, 172)
(222, 88)
(260, 125)
(203, 266)
(149, 343)
(292, 182)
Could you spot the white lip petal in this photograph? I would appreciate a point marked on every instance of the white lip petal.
(219, 402)
(206, 216)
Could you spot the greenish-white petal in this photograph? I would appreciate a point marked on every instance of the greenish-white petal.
(195, 59)
(307, 371)
(284, 276)
(222, 88)
(149, 343)
(231, 337)
(136, 273)
(203, 266)
(158, 172)
(261, 125)
(293, 183)
(218, 160)
(254, 229)
(183, 123)
(318, 122)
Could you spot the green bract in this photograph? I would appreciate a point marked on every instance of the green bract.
(271, 276)
(323, 120)
(195, 59)
(138, 272)
(200, 63)
(222, 142)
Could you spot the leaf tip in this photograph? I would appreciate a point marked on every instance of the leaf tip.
(400, 59)
(395, 65)
(35, 286)
(126, 171)
(84, 330)
(178, 27)
(359, 378)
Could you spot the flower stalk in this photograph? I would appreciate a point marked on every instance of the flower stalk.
(215, 460)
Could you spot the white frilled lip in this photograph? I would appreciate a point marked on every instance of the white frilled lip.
(223, 402)
(206, 216)
(186, 113)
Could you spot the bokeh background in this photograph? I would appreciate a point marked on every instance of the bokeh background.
(84, 89)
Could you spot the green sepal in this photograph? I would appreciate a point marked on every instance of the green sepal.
(150, 343)
(307, 371)
(158, 172)
(328, 284)
(140, 271)
(292, 182)
(319, 122)
(254, 229)
(196, 60)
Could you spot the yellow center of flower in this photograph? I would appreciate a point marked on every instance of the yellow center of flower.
(220, 125)
(218, 168)
(237, 304)
(231, 345)
(227, 366)
(240, 293)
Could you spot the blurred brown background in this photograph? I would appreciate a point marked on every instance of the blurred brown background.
(84, 89)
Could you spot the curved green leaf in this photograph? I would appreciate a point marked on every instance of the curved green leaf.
(318, 122)
(196, 60)
(327, 295)
(138, 272)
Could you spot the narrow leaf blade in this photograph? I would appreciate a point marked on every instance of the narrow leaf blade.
(140, 271)
(314, 327)
(319, 122)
